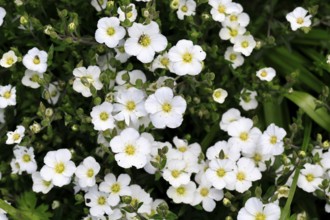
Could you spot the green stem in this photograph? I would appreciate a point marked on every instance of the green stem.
(8, 208)
(287, 207)
(210, 136)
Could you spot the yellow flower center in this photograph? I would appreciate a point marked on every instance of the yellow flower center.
(164, 61)
(233, 18)
(7, 95)
(104, 116)
(130, 105)
(273, 139)
(260, 216)
(10, 61)
(309, 177)
(217, 94)
(204, 192)
(90, 173)
(35, 78)
(36, 60)
(175, 173)
(144, 40)
(184, 8)
(187, 57)
(115, 188)
(245, 44)
(129, 14)
(233, 32)
(221, 9)
(240, 176)
(181, 190)
(111, 31)
(59, 168)
(263, 73)
(221, 172)
(182, 149)
(232, 56)
(257, 157)
(101, 200)
(166, 107)
(244, 136)
(300, 20)
(26, 158)
(130, 150)
(16, 136)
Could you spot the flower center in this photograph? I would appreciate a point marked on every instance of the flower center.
(10, 61)
(164, 61)
(233, 18)
(101, 200)
(46, 183)
(257, 157)
(221, 172)
(35, 78)
(36, 60)
(181, 190)
(144, 40)
(166, 107)
(187, 57)
(26, 158)
(175, 173)
(260, 216)
(244, 136)
(104, 116)
(184, 8)
(309, 177)
(7, 95)
(115, 188)
(245, 44)
(59, 168)
(221, 9)
(121, 49)
(111, 31)
(232, 57)
(129, 14)
(90, 173)
(273, 140)
(16, 137)
(182, 149)
(204, 192)
(130, 105)
(233, 32)
(130, 150)
(240, 176)
(217, 94)
(300, 20)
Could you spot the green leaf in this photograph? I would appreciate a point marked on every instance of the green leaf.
(308, 104)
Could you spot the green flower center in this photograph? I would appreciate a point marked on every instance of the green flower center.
(111, 31)
(240, 176)
(26, 158)
(245, 44)
(181, 190)
(175, 173)
(104, 116)
(35, 78)
(204, 192)
(232, 56)
(184, 8)
(300, 20)
(16, 136)
(144, 40)
(101, 200)
(310, 177)
(115, 188)
(221, 172)
(130, 105)
(273, 140)
(36, 60)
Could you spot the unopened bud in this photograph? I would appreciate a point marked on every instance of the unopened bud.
(55, 204)
(49, 112)
(35, 127)
(226, 202)
(23, 20)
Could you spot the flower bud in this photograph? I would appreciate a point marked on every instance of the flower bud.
(55, 204)
(24, 20)
(49, 112)
(35, 127)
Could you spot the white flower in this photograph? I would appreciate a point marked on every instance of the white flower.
(266, 74)
(246, 172)
(116, 187)
(25, 158)
(36, 60)
(206, 195)
(39, 184)
(235, 58)
(58, 167)
(298, 18)
(228, 117)
(8, 59)
(243, 134)
(328, 59)
(97, 201)
(129, 105)
(121, 54)
(175, 173)
(133, 76)
(84, 78)
(102, 118)
(222, 7)
(109, 31)
(186, 58)
(220, 173)
(248, 99)
(244, 44)
(2, 15)
(130, 14)
(31, 79)
(99, 4)
(140, 195)
(259, 157)
(255, 209)
(272, 140)
(229, 151)
(2, 116)
(183, 193)
(104, 61)
(15, 137)
(87, 171)
(165, 109)
(15, 168)
(130, 149)
(219, 95)
(144, 41)
(231, 32)
(310, 177)
(162, 61)
(7, 96)
(186, 8)
(51, 93)
(236, 16)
